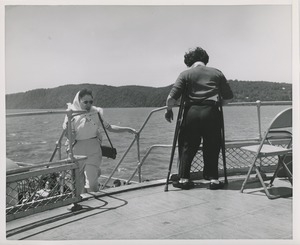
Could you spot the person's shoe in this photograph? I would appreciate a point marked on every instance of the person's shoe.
(74, 207)
(206, 177)
(177, 184)
(214, 186)
(185, 186)
(188, 185)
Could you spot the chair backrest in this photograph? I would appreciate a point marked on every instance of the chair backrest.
(282, 120)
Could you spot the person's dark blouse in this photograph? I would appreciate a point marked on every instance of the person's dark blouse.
(203, 82)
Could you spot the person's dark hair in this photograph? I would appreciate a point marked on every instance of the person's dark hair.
(197, 54)
(84, 92)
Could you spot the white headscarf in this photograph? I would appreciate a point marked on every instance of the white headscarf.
(75, 106)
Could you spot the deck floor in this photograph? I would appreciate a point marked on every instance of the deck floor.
(152, 214)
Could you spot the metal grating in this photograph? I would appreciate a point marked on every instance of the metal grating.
(236, 158)
(31, 192)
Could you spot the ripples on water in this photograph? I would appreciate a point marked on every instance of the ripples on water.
(32, 138)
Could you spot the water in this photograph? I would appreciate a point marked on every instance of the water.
(32, 139)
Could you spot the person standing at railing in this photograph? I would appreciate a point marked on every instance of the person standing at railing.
(201, 117)
(87, 133)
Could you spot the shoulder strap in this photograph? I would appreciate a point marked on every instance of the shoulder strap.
(105, 130)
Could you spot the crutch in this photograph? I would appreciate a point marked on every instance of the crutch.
(223, 139)
(176, 133)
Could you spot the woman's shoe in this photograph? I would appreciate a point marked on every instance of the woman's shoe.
(74, 207)
(214, 186)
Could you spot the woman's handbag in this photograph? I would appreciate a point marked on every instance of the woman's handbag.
(107, 151)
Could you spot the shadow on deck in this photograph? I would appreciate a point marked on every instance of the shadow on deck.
(145, 211)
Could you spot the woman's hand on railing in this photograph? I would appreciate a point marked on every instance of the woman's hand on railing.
(132, 131)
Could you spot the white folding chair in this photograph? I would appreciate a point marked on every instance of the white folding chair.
(279, 129)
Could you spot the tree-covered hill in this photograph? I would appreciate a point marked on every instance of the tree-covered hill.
(137, 96)
(264, 91)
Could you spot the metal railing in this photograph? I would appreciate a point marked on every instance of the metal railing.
(232, 149)
(35, 188)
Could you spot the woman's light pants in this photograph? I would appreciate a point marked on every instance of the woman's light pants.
(89, 169)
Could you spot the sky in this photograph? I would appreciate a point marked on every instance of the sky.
(49, 46)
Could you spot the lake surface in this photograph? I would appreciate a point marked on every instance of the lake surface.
(32, 139)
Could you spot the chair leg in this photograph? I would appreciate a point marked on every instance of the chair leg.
(275, 173)
(248, 175)
(265, 187)
(282, 163)
(262, 173)
(290, 175)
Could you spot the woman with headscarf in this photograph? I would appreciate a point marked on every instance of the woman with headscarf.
(86, 131)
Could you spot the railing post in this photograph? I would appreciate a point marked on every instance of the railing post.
(69, 115)
(77, 184)
(258, 105)
(139, 156)
(59, 149)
